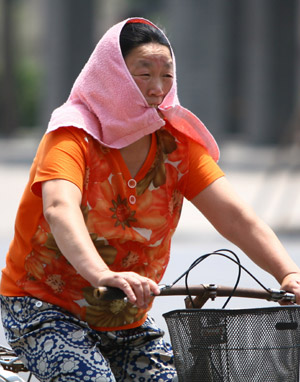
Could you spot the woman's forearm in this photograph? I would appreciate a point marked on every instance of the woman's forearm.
(260, 243)
(71, 235)
(61, 201)
(239, 224)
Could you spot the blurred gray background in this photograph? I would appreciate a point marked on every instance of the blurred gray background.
(238, 66)
(238, 61)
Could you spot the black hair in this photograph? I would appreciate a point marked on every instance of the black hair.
(136, 34)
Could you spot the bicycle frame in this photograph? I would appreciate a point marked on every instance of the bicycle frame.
(11, 366)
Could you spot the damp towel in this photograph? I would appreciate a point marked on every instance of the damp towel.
(106, 102)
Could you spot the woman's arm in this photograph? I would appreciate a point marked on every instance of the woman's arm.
(238, 223)
(61, 206)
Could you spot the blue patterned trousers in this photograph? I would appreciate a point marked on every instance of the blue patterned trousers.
(58, 347)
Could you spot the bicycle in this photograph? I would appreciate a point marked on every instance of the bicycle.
(11, 366)
(224, 345)
(215, 353)
(214, 329)
(204, 356)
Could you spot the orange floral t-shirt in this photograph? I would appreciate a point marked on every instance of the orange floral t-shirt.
(130, 220)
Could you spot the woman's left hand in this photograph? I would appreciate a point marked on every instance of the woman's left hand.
(291, 283)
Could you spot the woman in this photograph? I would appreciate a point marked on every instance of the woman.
(101, 205)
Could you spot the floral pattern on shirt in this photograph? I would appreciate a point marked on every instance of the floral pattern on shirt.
(128, 236)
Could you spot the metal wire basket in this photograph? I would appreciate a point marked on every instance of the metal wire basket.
(221, 345)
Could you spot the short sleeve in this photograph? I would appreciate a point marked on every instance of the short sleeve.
(61, 155)
(203, 170)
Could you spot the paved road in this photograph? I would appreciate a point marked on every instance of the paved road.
(268, 179)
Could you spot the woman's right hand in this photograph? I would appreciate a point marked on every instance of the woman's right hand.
(137, 288)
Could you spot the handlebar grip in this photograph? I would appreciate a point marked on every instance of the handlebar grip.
(109, 293)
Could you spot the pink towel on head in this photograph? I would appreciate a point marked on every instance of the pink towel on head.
(106, 102)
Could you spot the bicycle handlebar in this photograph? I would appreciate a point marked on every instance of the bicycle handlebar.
(203, 292)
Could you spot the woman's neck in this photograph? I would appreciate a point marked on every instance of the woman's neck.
(135, 154)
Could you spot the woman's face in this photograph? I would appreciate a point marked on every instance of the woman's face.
(151, 67)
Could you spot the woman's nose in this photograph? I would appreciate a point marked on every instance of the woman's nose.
(156, 88)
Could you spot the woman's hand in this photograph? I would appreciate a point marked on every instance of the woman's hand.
(137, 288)
(291, 283)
